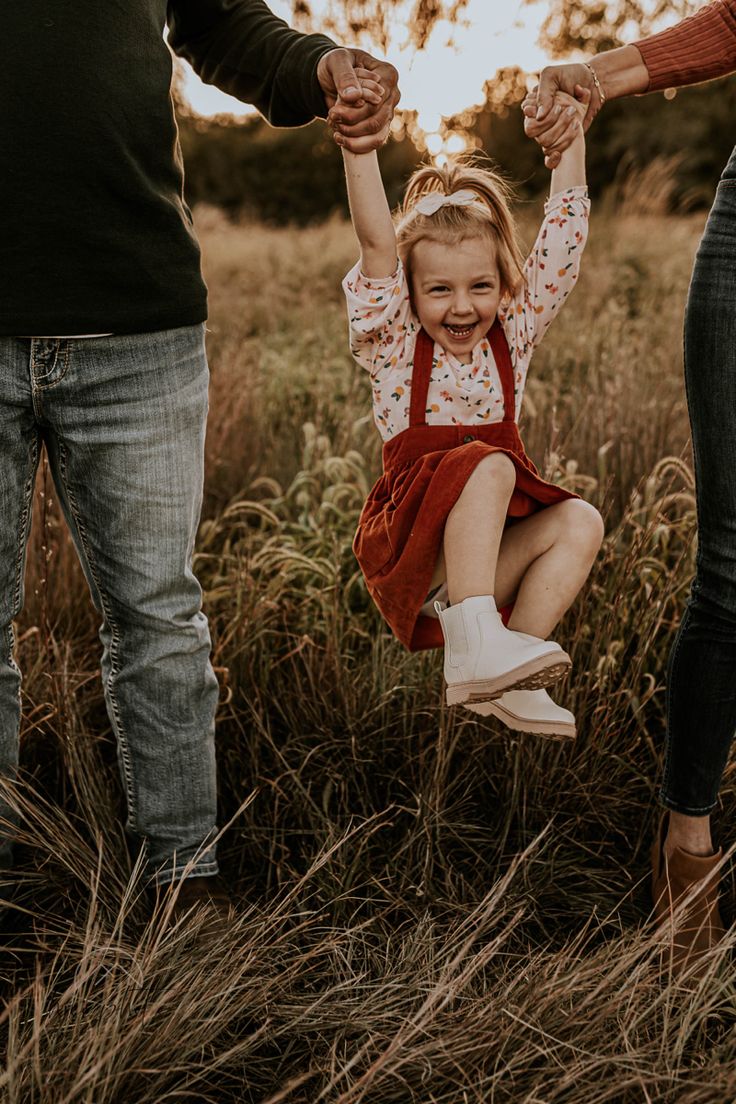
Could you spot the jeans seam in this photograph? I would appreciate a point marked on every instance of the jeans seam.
(667, 773)
(687, 810)
(38, 383)
(22, 537)
(114, 643)
(23, 527)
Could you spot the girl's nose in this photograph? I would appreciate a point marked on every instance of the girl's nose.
(461, 304)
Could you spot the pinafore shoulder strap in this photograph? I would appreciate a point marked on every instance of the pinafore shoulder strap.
(422, 372)
(420, 376)
(502, 357)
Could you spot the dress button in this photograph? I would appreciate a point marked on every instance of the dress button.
(468, 438)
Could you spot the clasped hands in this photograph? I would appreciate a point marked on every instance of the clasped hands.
(549, 115)
(362, 93)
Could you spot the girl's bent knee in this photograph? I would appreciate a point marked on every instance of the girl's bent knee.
(499, 468)
(585, 524)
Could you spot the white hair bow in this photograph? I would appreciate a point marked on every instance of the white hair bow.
(431, 203)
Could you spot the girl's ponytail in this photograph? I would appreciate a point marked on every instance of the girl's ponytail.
(488, 215)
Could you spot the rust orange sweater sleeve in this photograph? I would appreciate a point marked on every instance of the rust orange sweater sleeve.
(698, 48)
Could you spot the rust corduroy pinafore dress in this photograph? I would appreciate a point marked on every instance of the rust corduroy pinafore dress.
(425, 468)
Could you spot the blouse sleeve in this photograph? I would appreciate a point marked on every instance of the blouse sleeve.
(698, 48)
(551, 270)
(380, 317)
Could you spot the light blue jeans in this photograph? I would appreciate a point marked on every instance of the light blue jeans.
(123, 422)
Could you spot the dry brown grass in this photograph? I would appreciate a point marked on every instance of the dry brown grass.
(432, 909)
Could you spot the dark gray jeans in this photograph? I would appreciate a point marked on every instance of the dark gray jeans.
(123, 420)
(701, 700)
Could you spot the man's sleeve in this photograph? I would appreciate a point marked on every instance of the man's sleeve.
(244, 49)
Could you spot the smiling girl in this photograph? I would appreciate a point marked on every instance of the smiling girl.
(460, 540)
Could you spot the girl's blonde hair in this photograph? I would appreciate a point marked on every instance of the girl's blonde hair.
(490, 218)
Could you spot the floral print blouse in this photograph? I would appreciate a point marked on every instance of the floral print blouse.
(384, 328)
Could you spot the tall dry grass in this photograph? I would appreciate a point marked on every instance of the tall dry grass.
(432, 909)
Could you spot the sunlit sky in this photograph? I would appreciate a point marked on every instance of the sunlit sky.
(440, 80)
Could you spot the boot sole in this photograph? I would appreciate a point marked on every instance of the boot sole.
(557, 730)
(534, 675)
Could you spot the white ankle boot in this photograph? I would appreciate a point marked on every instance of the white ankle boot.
(529, 711)
(483, 658)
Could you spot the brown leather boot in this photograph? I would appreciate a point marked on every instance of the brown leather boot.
(701, 927)
(200, 892)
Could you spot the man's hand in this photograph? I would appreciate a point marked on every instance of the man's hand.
(361, 94)
(546, 121)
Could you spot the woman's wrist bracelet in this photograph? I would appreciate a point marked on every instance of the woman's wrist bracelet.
(596, 81)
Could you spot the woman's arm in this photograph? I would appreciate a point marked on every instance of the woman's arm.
(619, 72)
(370, 213)
(698, 48)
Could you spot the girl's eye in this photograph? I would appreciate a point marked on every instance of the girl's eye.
(439, 287)
(485, 284)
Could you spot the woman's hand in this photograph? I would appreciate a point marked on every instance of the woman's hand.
(547, 121)
(565, 122)
(361, 94)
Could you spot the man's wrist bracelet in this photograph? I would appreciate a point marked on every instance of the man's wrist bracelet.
(596, 81)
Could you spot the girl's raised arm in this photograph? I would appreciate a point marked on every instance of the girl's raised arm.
(370, 213)
(570, 173)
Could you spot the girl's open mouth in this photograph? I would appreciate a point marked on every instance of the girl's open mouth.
(459, 332)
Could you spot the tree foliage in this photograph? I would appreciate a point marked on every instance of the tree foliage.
(595, 25)
(374, 20)
(296, 175)
(570, 25)
(276, 175)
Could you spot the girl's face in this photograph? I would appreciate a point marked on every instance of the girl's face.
(456, 291)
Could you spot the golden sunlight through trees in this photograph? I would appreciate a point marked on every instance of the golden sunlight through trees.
(594, 25)
(378, 19)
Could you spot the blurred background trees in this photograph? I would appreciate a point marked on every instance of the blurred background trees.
(594, 25)
(349, 20)
(249, 168)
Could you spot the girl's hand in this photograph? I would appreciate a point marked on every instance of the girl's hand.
(573, 104)
(361, 94)
(561, 125)
(348, 134)
(371, 89)
(539, 106)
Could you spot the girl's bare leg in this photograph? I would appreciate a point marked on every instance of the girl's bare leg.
(543, 562)
(474, 529)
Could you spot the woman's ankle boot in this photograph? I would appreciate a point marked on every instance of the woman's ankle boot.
(674, 879)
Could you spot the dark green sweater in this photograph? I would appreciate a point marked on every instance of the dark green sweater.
(95, 234)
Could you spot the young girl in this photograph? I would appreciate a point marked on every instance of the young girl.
(460, 538)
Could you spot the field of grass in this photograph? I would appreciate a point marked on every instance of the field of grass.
(431, 909)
